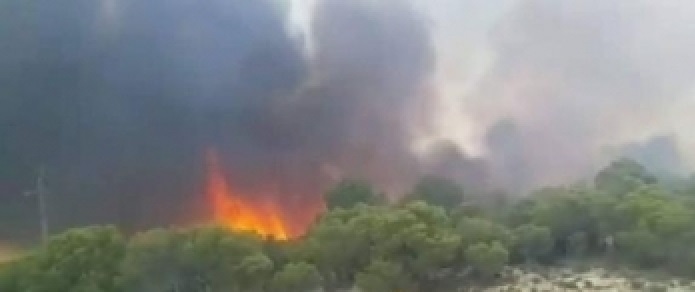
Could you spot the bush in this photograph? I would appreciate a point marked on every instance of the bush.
(487, 259)
(382, 276)
(296, 277)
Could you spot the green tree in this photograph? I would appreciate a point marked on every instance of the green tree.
(681, 254)
(199, 259)
(296, 277)
(438, 192)
(428, 214)
(640, 247)
(382, 276)
(338, 246)
(622, 177)
(561, 210)
(422, 239)
(417, 237)
(80, 260)
(487, 260)
(656, 210)
(349, 193)
(534, 242)
(566, 211)
(479, 230)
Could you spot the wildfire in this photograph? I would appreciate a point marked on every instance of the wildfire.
(257, 213)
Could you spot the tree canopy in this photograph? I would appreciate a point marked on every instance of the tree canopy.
(438, 191)
(623, 176)
(362, 242)
(349, 193)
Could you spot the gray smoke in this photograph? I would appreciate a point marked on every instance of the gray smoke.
(570, 78)
(659, 154)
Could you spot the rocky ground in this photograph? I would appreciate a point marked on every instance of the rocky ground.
(595, 279)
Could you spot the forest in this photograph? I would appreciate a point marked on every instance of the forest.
(435, 239)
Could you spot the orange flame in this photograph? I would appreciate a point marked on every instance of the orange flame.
(239, 213)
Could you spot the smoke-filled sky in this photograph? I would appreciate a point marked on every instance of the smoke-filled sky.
(579, 81)
(121, 99)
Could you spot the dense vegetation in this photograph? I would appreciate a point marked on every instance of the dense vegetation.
(431, 241)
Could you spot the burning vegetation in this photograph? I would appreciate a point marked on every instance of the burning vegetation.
(259, 213)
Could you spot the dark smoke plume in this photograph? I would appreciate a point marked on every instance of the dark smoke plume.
(121, 100)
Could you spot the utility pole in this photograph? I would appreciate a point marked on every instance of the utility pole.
(40, 191)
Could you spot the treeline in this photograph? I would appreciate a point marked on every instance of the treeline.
(431, 241)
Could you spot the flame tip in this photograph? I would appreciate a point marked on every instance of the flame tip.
(241, 213)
